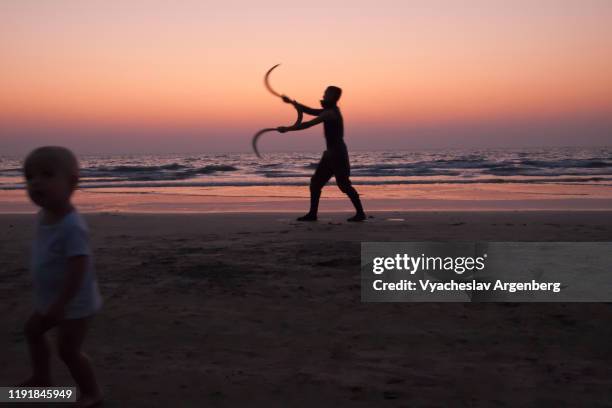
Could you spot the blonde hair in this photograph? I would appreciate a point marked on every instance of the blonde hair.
(57, 157)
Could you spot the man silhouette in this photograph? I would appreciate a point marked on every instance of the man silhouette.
(335, 159)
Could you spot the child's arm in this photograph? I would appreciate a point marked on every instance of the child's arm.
(75, 271)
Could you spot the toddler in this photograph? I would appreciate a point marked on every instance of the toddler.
(66, 293)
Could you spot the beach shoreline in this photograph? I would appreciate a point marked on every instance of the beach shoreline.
(474, 197)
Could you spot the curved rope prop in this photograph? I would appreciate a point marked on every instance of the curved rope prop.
(273, 92)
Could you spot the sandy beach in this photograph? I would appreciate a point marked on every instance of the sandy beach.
(242, 309)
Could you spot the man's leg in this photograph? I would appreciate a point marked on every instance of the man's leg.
(342, 171)
(344, 183)
(321, 176)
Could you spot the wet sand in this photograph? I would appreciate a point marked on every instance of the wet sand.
(227, 310)
(276, 199)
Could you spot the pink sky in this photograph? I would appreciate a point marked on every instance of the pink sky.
(155, 76)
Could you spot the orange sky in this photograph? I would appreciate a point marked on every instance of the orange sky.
(193, 69)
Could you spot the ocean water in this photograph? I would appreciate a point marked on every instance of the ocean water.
(533, 166)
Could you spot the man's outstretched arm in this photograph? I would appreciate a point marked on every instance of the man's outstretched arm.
(305, 125)
(306, 109)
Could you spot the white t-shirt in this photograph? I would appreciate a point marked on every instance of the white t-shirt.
(53, 245)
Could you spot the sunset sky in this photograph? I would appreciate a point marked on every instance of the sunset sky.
(186, 76)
